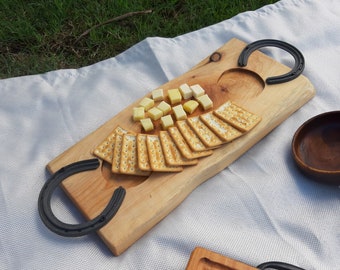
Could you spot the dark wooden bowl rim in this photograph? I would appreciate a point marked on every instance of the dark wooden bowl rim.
(316, 147)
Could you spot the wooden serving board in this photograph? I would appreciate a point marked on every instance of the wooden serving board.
(204, 259)
(149, 199)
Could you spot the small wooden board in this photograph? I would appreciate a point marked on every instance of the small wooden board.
(203, 259)
(149, 199)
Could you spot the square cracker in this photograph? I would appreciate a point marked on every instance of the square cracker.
(183, 147)
(105, 150)
(236, 116)
(129, 158)
(221, 128)
(142, 153)
(207, 136)
(171, 152)
(190, 136)
(117, 150)
(156, 156)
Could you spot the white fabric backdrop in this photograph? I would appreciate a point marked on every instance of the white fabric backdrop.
(258, 209)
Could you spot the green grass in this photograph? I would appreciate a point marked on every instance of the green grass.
(43, 35)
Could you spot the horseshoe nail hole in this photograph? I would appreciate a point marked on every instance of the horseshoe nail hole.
(123, 180)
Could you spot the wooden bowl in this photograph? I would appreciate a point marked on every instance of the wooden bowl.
(316, 147)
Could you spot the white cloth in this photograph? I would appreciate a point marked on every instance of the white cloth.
(258, 209)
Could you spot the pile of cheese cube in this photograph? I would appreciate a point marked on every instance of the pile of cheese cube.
(182, 101)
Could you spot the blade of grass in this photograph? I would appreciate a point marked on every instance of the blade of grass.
(115, 19)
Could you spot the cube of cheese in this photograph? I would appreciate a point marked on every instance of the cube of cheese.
(197, 90)
(155, 113)
(190, 106)
(157, 94)
(164, 107)
(174, 96)
(166, 121)
(147, 103)
(147, 124)
(138, 113)
(179, 112)
(205, 102)
(185, 91)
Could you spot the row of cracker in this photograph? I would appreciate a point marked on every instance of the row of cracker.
(178, 146)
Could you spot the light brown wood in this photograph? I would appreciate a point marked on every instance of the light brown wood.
(149, 199)
(204, 259)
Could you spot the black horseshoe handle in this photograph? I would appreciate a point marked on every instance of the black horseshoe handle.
(75, 230)
(278, 266)
(291, 75)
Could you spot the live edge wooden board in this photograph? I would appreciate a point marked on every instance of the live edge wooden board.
(150, 199)
(204, 259)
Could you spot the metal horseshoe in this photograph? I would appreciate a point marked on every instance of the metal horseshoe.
(291, 75)
(75, 230)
